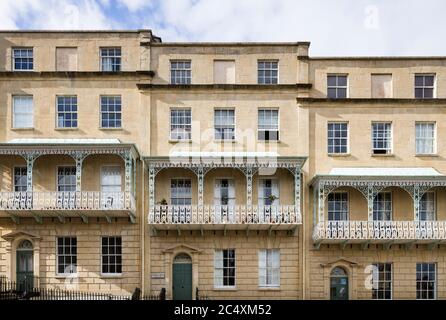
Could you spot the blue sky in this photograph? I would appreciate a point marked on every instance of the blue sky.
(334, 27)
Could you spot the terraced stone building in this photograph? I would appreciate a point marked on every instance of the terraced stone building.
(241, 170)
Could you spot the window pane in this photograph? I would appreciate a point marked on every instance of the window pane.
(426, 283)
(224, 124)
(382, 281)
(267, 72)
(381, 138)
(268, 124)
(23, 59)
(111, 59)
(382, 207)
(425, 138)
(336, 86)
(67, 112)
(111, 255)
(180, 124)
(111, 112)
(337, 137)
(180, 72)
(23, 111)
(66, 255)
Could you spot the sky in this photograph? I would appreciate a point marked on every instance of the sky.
(334, 27)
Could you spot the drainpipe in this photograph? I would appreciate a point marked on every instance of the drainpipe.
(304, 236)
(143, 228)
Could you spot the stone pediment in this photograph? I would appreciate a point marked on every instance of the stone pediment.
(179, 247)
(16, 234)
(340, 260)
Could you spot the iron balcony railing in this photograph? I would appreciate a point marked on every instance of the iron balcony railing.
(380, 230)
(223, 214)
(76, 201)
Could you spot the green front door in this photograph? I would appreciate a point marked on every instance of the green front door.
(25, 274)
(339, 288)
(182, 281)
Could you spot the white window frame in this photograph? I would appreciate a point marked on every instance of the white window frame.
(64, 112)
(347, 139)
(434, 87)
(65, 185)
(105, 167)
(422, 272)
(13, 58)
(379, 280)
(337, 87)
(267, 69)
(223, 286)
(183, 197)
(111, 274)
(113, 57)
(434, 138)
(227, 126)
(269, 270)
(14, 113)
(176, 80)
(389, 150)
(182, 126)
(278, 125)
(383, 212)
(58, 256)
(434, 199)
(14, 175)
(101, 113)
(347, 213)
(261, 188)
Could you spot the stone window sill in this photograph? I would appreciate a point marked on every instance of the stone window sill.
(339, 155)
(111, 276)
(66, 129)
(269, 289)
(22, 129)
(389, 155)
(180, 141)
(427, 155)
(225, 289)
(111, 129)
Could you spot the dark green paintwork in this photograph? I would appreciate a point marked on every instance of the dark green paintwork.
(182, 281)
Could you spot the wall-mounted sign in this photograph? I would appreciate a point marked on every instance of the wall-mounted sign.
(158, 275)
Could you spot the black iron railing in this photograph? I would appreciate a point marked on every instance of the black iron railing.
(28, 290)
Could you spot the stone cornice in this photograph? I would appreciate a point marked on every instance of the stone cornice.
(228, 87)
(74, 74)
(346, 102)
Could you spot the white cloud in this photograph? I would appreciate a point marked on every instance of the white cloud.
(52, 14)
(134, 5)
(342, 27)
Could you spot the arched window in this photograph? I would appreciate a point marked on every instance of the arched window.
(182, 258)
(338, 284)
(25, 245)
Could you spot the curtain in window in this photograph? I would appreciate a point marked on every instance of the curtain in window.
(269, 268)
(268, 188)
(23, 112)
(107, 64)
(427, 207)
(424, 138)
(111, 179)
(218, 268)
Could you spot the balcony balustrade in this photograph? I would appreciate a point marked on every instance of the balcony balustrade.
(86, 203)
(379, 231)
(219, 217)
